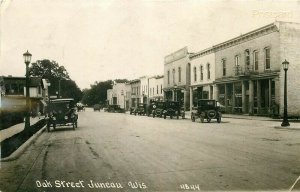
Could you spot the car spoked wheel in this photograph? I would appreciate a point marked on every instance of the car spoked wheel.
(193, 118)
(219, 119)
(202, 119)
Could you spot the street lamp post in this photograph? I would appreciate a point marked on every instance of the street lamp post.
(27, 59)
(285, 121)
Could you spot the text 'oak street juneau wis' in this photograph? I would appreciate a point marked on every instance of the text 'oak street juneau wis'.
(90, 184)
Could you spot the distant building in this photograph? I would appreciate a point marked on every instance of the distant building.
(117, 95)
(135, 92)
(156, 92)
(144, 89)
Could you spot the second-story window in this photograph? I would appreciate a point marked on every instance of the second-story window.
(195, 74)
(179, 74)
(237, 61)
(208, 71)
(168, 77)
(224, 66)
(267, 58)
(173, 76)
(247, 57)
(201, 72)
(255, 60)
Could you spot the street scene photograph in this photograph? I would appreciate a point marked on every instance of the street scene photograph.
(149, 95)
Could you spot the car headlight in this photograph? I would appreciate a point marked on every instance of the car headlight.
(54, 118)
(66, 117)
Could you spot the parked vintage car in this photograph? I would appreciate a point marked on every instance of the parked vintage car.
(61, 112)
(140, 109)
(173, 109)
(97, 107)
(157, 108)
(115, 109)
(206, 109)
(131, 110)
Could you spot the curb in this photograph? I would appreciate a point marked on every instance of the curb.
(15, 155)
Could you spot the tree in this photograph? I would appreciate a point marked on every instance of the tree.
(58, 77)
(97, 94)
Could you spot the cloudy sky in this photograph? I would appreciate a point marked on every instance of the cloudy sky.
(98, 40)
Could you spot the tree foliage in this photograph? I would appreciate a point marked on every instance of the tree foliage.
(97, 94)
(58, 77)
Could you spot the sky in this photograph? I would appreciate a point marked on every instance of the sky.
(97, 40)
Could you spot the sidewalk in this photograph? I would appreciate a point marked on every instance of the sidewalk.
(6, 133)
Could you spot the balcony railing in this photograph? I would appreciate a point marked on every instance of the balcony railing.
(244, 70)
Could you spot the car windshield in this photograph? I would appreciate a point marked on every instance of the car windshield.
(206, 103)
(160, 105)
(60, 106)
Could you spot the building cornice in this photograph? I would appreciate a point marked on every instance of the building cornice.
(265, 30)
(202, 53)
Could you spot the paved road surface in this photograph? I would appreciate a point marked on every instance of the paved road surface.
(112, 150)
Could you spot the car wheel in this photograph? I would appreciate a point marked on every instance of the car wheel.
(48, 127)
(202, 119)
(193, 118)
